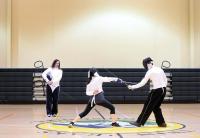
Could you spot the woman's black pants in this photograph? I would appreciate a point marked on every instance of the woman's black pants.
(52, 100)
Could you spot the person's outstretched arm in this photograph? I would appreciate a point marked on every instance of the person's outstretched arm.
(141, 83)
(111, 79)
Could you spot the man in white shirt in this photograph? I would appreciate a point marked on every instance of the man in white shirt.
(155, 97)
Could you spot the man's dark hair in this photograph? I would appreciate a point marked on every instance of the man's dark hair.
(146, 61)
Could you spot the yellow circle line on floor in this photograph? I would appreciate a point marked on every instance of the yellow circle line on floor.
(145, 129)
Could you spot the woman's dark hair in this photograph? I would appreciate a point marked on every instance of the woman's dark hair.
(54, 63)
(91, 73)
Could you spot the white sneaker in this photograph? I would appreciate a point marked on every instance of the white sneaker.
(54, 115)
(49, 115)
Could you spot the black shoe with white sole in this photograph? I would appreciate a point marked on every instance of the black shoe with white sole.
(71, 124)
(135, 124)
(163, 125)
(115, 124)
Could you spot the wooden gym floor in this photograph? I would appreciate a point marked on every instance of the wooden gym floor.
(23, 121)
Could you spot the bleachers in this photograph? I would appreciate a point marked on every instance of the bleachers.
(16, 85)
(74, 85)
(186, 85)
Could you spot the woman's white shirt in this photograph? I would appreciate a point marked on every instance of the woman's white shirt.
(96, 84)
(56, 76)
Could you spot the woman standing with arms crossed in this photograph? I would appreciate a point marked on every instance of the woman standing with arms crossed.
(52, 76)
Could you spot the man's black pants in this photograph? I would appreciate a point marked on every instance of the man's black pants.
(152, 104)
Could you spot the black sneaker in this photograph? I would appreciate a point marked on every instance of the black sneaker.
(135, 124)
(115, 124)
(71, 124)
(163, 125)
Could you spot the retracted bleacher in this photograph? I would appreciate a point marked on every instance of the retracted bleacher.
(186, 85)
(17, 85)
(73, 86)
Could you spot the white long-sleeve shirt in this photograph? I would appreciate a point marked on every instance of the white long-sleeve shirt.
(156, 75)
(96, 83)
(55, 74)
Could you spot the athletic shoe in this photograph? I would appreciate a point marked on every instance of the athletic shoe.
(71, 124)
(115, 124)
(163, 125)
(135, 124)
(54, 115)
(49, 115)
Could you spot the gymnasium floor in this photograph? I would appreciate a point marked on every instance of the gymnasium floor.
(28, 121)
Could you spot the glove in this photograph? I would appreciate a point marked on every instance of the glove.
(120, 81)
(131, 87)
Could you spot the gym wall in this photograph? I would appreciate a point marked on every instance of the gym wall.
(101, 33)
